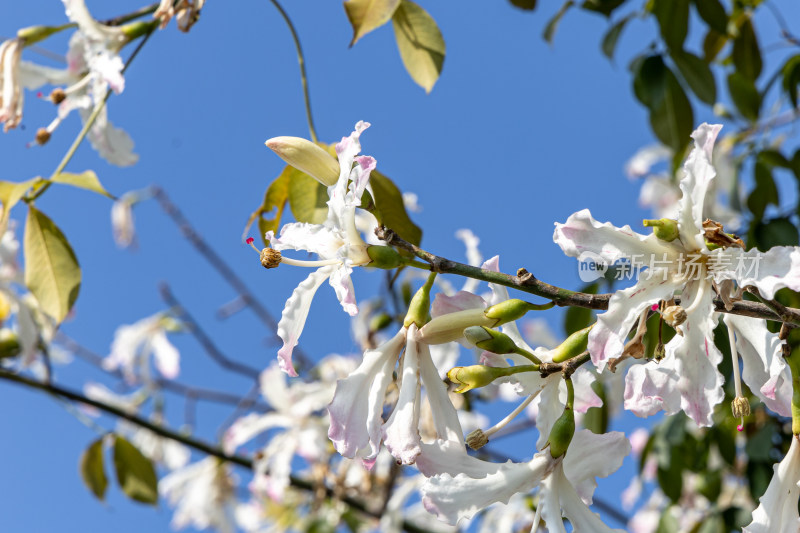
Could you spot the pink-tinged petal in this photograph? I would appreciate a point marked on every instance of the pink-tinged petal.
(768, 271)
(582, 519)
(777, 508)
(699, 383)
(590, 456)
(461, 301)
(109, 67)
(582, 233)
(585, 397)
(343, 286)
(764, 369)
(401, 431)
(452, 498)
(360, 178)
(358, 402)
(607, 338)
(294, 315)
(250, 426)
(698, 175)
(165, 355)
(638, 440)
(314, 238)
(652, 387)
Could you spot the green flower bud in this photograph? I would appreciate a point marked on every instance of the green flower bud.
(384, 257)
(34, 34)
(379, 322)
(574, 345)
(9, 344)
(507, 311)
(418, 309)
(490, 340)
(306, 156)
(561, 434)
(137, 29)
(475, 376)
(665, 229)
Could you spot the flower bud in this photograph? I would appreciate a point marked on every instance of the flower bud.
(562, 432)
(665, 229)
(379, 322)
(740, 407)
(34, 34)
(306, 156)
(270, 258)
(137, 29)
(384, 257)
(507, 311)
(9, 343)
(450, 327)
(574, 345)
(474, 377)
(477, 439)
(674, 315)
(490, 340)
(419, 307)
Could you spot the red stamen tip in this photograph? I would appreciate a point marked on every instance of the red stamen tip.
(654, 307)
(739, 427)
(250, 240)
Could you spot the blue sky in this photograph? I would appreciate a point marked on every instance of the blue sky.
(515, 136)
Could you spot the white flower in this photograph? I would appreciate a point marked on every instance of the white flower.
(777, 508)
(133, 345)
(122, 225)
(687, 378)
(337, 243)
(202, 494)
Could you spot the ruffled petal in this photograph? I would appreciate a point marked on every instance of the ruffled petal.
(608, 336)
(768, 271)
(315, 238)
(294, 315)
(764, 369)
(112, 144)
(651, 387)
(590, 456)
(582, 233)
(343, 287)
(358, 402)
(452, 498)
(582, 519)
(250, 426)
(401, 431)
(777, 508)
(698, 175)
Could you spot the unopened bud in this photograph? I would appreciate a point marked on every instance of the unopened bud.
(477, 439)
(9, 343)
(665, 229)
(420, 305)
(379, 322)
(137, 29)
(384, 257)
(270, 258)
(674, 315)
(740, 407)
(306, 156)
(574, 345)
(474, 377)
(57, 96)
(490, 340)
(34, 34)
(507, 311)
(42, 136)
(561, 434)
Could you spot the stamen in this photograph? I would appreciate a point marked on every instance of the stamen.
(537, 517)
(504, 422)
(737, 380)
(319, 263)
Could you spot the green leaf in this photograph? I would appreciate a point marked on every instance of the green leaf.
(85, 180)
(764, 193)
(713, 43)
(713, 524)
(710, 484)
(604, 7)
(420, 43)
(776, 232)
(791, 78)
(367, 15)
(92, 469)
(758, 477)
(668, 523)
(744, 95)
(308, 198)
(577, 318)
(673, 21)
(670, 476)
(759, 446)
(51, 269)
(389, 209)
(673, 120)
(528, 5)
(552, 25)
(774, 158)
(135, 472)
(698, 75)
(596, 419)
(10, 194)
(713, 13)
(649, 80)
(746, 52)
(275, 198)
(609, 43)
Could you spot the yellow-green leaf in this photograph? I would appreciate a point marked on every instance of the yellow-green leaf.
(51, 269)
(308, 198)
(92, 469)
(85, 180)
(420, 43)
(367, 15)
(135, 472)
(275, 197)
(10, 194)
(389, 208)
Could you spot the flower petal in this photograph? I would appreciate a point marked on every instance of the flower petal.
(294, 315)
(343, 287)
(165, 355)
(698, 175)
(777, 508)
(315, 238)
(401, 431)
(768, 271)
(460, 301)
(590, 456)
